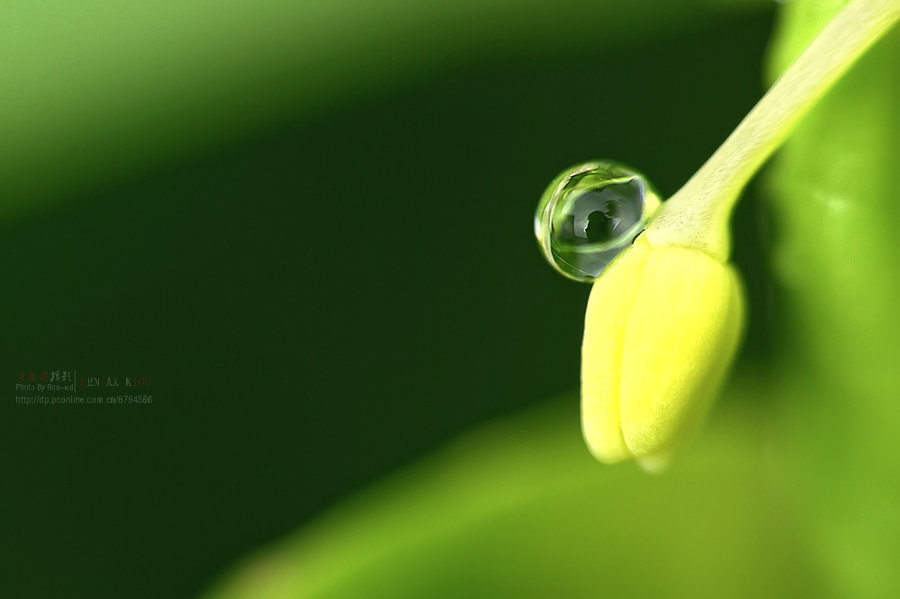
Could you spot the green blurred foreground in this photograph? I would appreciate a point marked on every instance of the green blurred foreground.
(520, 509)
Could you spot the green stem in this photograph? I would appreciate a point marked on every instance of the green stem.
(697, 215)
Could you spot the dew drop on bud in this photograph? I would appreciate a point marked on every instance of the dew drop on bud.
(589, 214)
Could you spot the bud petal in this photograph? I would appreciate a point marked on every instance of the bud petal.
(661, 328)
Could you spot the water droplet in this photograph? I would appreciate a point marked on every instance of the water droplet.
(589, 214)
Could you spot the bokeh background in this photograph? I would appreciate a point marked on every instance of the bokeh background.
(311, 225)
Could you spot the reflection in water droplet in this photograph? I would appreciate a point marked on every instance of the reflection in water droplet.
(589, 214)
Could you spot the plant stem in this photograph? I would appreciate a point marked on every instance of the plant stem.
(697, 215)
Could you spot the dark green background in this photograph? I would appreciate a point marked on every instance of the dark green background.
(325, 302)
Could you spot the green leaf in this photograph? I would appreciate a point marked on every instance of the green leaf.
(521, 509)
(94, 90)
(834, 195)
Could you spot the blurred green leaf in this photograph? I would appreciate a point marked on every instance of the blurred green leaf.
(93, 90)
(834, 194)
(521, 509)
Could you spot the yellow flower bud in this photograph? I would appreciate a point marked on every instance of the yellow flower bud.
(661, 328)
(665, 315)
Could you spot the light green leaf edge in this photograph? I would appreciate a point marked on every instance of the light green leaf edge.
(94, 90)
(833, 192)
(519, 508)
